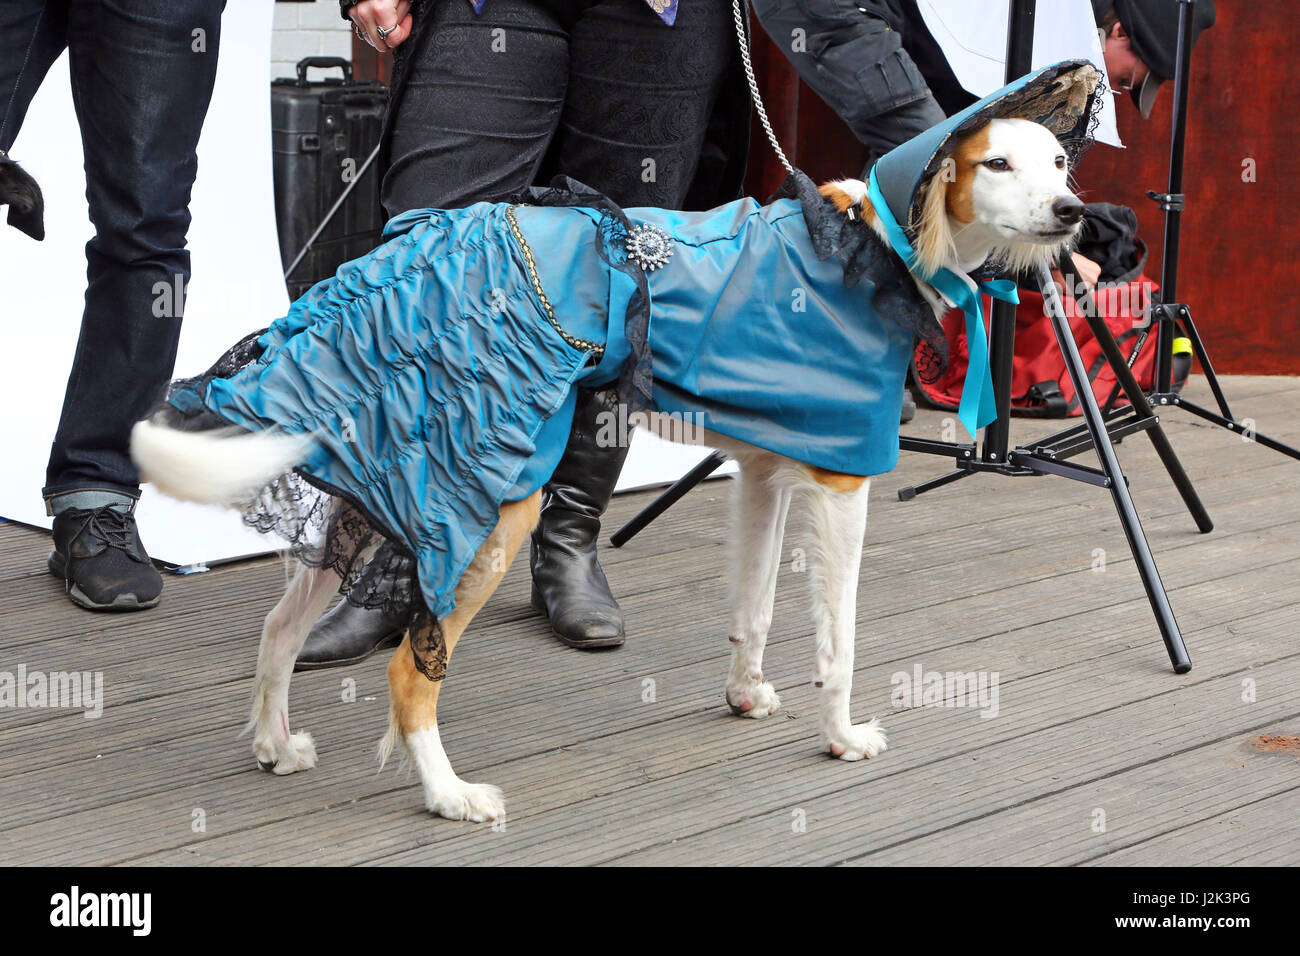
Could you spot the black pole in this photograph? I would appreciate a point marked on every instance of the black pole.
(1173, 203)
(338, 204)
(1117, 486)
(1002, 321)
(666, 500)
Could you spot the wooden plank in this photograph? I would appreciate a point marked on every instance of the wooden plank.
(1161, 805)
(1261, 833)
(963, 620)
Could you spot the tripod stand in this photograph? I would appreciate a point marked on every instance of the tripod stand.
(1172, 313)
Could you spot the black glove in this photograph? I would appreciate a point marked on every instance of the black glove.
(23, 196)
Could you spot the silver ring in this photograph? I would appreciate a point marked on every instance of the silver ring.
(383, 34)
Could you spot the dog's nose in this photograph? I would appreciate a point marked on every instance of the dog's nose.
(1068, 209)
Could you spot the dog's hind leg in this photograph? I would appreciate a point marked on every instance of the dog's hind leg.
(283, 635)
(759, 526)
(839, 515)
(416, 671)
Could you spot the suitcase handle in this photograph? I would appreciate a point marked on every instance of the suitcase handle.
(323, 63)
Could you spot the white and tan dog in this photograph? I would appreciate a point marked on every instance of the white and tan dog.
(1006, 195)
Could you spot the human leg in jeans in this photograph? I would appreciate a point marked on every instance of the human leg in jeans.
(142, 76)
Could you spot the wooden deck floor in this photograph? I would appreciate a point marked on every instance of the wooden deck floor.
(1098, 753)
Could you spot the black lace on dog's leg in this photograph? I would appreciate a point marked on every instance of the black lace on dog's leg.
(428, 648)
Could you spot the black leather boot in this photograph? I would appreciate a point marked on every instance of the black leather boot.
(349, 634)
(568, 584)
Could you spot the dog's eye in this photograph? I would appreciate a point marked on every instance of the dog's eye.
(997, 164)
(1060, 162)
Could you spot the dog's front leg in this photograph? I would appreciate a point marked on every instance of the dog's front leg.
(839, 522)
(759, 526)
(283, 635)
(416, 672)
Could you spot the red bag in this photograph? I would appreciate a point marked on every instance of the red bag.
(1040, 383)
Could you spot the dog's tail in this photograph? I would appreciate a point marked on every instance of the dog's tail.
(220, 467)
(392, 738)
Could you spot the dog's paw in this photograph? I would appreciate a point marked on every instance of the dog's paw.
(297, 753)
(754, 700)
(858, 741)
(476, 802)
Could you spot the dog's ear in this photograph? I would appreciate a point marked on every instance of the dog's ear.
(20, 192)
(934, 245)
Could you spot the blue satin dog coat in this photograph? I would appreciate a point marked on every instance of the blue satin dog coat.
(438, 387)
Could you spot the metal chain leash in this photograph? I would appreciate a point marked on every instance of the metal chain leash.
(740, 8)
(581, 345)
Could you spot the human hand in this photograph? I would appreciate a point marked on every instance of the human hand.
(392, 16)
(1087, 270)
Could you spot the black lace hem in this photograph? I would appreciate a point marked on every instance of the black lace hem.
(324, 528)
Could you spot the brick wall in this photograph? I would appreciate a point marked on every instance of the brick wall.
(307, 29)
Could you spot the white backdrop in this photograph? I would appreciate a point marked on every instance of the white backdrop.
(236, 288)
(973, 37)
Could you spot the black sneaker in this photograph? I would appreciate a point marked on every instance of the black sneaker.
(104, 567)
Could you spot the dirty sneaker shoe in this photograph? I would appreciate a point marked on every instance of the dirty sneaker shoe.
(98, 553)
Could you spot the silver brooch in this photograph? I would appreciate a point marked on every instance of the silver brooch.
(649, 246)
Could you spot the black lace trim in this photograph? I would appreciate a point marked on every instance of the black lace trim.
(428, 646)
(1042, 103)
(182, 406)
(324, 528)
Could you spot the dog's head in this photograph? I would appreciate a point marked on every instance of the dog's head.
(990, 181)
(19, 191)
(1002, 191)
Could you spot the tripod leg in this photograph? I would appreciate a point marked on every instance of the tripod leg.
(1118, 486)
(666, 500)
(1185, 317)
(911, 491)
(1234, 426)
(1133, 391)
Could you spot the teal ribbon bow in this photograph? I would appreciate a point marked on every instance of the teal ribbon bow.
(977, 407)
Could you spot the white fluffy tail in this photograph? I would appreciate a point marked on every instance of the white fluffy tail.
(225, 467)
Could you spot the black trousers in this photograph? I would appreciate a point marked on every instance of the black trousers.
(142, 75)
(601, 90)
(851, 55)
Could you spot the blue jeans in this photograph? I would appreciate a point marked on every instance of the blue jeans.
(142, 76)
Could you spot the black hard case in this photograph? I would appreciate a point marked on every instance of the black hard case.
(319, 131)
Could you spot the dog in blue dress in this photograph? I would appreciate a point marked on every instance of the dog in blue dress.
(423, 395)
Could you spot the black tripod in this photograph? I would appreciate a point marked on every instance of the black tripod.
(1048, 456)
